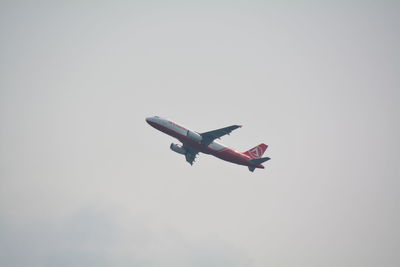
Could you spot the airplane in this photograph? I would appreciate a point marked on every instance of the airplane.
(194, 142)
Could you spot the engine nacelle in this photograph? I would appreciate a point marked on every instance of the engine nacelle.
(194, 136)
(178, 149)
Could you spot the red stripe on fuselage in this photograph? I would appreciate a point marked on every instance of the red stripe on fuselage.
(225, 153)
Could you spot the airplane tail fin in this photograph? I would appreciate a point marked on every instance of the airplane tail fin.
(256, 152)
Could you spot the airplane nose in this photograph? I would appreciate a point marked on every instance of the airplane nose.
(151, 120)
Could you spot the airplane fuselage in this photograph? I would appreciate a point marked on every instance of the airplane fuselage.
(188, 139)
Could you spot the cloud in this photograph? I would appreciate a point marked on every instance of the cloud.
(90, 237)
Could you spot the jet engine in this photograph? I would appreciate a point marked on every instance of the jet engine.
(194, 136)
(178, 149)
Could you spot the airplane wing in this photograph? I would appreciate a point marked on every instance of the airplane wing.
(210, 136)
(190, 154)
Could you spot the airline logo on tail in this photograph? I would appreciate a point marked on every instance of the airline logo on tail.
(256, 152)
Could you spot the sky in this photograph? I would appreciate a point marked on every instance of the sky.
(85, 181)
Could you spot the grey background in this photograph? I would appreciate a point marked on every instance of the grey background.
(84, 181)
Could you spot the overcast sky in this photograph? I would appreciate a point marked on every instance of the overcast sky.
(84, 181)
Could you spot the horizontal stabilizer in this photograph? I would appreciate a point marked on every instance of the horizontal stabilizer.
(260, 160)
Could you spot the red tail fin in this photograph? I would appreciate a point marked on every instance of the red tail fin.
(256, 152)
